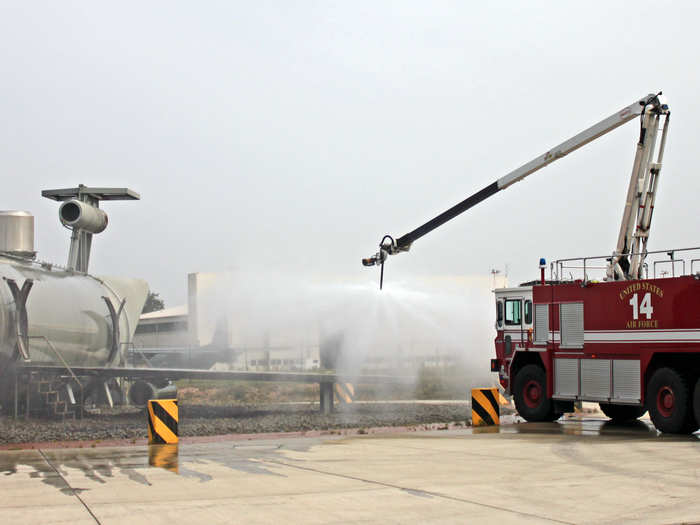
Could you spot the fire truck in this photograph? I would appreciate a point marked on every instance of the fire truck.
(622, 330)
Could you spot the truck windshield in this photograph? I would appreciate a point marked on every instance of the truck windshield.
(513, 315)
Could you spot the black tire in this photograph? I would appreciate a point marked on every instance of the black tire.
(622, 413)
(530, 394)
(668, 401)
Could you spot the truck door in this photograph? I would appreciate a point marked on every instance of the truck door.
(513, 324)
(527, 321)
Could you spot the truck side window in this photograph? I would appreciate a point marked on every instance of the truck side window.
(499, 313)
(513, 315)
(528, 312)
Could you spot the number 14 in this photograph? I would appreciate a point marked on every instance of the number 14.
(644, 308)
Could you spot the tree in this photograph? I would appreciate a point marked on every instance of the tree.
(153, 303)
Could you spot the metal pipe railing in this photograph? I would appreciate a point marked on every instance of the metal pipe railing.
(557, 267)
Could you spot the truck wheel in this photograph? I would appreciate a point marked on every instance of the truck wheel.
(530, 394)
(622, 413)
(668, 401)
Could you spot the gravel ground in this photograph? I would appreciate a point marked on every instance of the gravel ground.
(200, 420)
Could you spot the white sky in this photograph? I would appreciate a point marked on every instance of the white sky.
(290, 136)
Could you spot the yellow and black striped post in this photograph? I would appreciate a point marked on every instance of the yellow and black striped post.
(344, 393)
(485, 410)
(162, 421)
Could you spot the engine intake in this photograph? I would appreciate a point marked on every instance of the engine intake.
(80, 215)
(141, 391)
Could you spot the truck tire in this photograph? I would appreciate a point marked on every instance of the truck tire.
(668, 401)
(622, 413)
(530, 394)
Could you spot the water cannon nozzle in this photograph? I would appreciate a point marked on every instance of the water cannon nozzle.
(370, 261)
(377, 258)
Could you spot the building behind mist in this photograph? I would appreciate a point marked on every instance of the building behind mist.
(206, 333)
(233, 323)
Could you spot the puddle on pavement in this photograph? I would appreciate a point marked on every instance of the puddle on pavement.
(419, 493)
(252, 458)
(258, 457)
(164, 456)
(100, 464)
(638, 429)
(52, 466)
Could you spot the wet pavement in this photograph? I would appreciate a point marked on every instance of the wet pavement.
(574, 471)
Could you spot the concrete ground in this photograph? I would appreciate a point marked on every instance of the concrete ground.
(574, 471)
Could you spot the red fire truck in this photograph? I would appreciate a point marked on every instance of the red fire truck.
(630, 345)
(624, 331)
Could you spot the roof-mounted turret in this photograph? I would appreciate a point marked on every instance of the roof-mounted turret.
(81, 213)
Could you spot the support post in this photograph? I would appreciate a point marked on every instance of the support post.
(114, 315)
(108, 394)
(326, 403)
(16, 393)
(29, 392)
(20, 295)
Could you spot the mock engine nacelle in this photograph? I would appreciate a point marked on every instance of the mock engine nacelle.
(79, 215)
(141, 391)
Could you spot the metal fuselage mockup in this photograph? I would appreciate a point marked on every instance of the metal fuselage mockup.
(64, 316)
(67, 310)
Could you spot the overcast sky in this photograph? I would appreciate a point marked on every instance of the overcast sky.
(290, 136)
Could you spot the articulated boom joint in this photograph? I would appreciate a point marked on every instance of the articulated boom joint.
(387, 246)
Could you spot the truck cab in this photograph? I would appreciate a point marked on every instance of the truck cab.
(513, 328)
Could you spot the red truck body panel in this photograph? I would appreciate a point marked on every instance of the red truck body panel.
(623, 321)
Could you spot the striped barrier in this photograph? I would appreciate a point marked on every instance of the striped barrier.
(344, 392)
(162, 421)
(485, 406)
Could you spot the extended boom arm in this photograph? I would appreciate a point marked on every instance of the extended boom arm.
(650, 107)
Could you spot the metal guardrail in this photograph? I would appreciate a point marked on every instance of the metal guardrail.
(135, 350)
(187, 373)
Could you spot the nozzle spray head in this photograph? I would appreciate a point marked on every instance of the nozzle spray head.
(377, 258)
(386, 247)
(370, 261)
